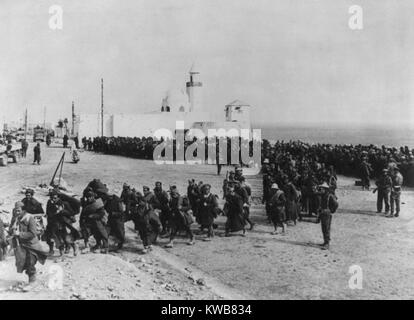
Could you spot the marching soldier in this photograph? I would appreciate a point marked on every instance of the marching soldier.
(31, 205)
(150, 198)
(27, 247)
(208, 210)
(148, 225)
(277, 209)
(93, 221)
(163, 199)
(60, 217)
(244, 191)
(233, 209)
(113, 206)
(181, 218)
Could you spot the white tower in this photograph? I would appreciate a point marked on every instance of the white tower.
(194, 91)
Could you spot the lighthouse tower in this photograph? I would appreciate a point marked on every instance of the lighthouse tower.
(194, 91)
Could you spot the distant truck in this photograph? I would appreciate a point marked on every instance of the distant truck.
(39, 134)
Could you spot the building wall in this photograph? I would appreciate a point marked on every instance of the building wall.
(144, 125)
(90, 125)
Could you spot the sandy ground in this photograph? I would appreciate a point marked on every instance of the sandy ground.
(258, 266)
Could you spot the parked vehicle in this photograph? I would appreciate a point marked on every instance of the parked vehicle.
(39, 134)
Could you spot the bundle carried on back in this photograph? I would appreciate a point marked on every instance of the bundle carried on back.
(97, 186)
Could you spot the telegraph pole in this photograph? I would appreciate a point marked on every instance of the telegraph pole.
(73, 118)
(25, 125)
(44, 118)
(102, 110)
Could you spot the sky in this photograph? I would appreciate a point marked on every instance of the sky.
(293, 61)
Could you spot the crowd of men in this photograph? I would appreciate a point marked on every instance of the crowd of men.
(363, 161)
(360, 161)
(308, 172)
(154, 213)
(143, 148)
(297, 178)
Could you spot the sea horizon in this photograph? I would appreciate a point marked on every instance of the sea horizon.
(340, 134)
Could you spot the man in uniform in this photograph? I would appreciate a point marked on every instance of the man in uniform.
(328, 206)
(181, 218)
(31, 205)
(3, 241)
(208, 210)
(93, 220)
(397, 181)
(27, 247)
(227, 182)
(163, 199)
(238, 173)
(148, 225)
(65, 141)
(150, 198)
(233, 209)
(277, 208)
(244, 190)
(365, 173)
(113, 206)
(127, 199)
(25, 146)
(384, 185)
(60, 217)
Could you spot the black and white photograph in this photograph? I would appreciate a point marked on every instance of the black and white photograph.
(217, 151)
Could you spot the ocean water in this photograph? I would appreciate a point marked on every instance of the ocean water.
(393, 137)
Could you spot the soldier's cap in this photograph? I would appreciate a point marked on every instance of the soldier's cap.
(18, 205)
(173, 188)
(29, 191)
(145, 188)
(126, 185)
(231, 173)
(324, 185)
(275, 186)
(158, 182)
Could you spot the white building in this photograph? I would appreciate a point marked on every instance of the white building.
(177, 105)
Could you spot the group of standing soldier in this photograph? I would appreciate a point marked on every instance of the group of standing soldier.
(388, 190)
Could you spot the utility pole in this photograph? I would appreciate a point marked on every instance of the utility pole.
(102, 110)
(25, 125)
(44, 118)
(73, 118)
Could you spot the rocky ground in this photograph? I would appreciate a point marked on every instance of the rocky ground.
(258, 266)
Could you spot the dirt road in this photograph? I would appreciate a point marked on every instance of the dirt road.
(258, 266)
